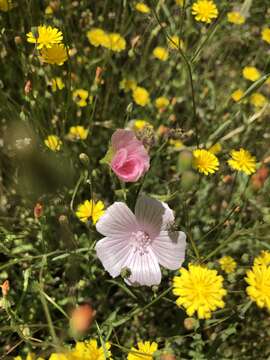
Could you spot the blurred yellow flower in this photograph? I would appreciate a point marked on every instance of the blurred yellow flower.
(180, 2)
(30, 356)
(98, 37)
(141, 96)
(80, 96)
(205, 162)
(200, 290)
(161, 53)
(46, 36)
(175, 42)
(144, 347)
(204, 10)
(227, 264)
(215, 149)
(48, 10)
(53, 142)
(116, 42)
(141, 124)
(242, 160)
(176, 144)
(237, 95)
(258, 279)
(251, 73)
(5, 5)
(142, 7)
(263, 258)
(57, 84)
(258, 100)
(236, 17)
(90, 209)
(128, 84)
(266, 35)
(78, 132)
(56, 54)
(162, 102)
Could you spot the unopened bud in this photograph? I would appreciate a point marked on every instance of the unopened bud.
(38, 210)
(84, 159)
(82, 318)
(27, 87)
(63, 220)
(5, 288)
(167, 357)
(190, 323)
(99, 71)
(18, 40)
(125, 273)
(130, 108)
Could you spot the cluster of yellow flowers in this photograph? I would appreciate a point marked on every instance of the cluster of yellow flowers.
(112, 41)
(207, 163)
(48, 41)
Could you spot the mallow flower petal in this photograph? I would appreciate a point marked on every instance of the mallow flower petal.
(144, 268)
(169, 248)
(153, 215)
(113, 253)
(117, 220)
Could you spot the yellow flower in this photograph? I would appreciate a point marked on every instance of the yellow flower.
(162, 102)
(116, 42)
(49, 10)
(6, 5)
(237, 95)
(215, 149)
(258, 100)
(263, 258)
(46, 36)
(177, 144)
(242, 161)
(146, 348)
(90, 209)
(161, 53)
(204, 10)
(128, 84)
(258, 290)
(141, 96)
(57, 84)
(56, 54)
(236, 17)
(180, 2)
(98, 37)
(205, 162)
(141, 124)
(227, 264)
(85, 350)
(251, 73)
(266, 35)
(29, 356)
(200, 290)
(80, 96)
(53, 142)
(142, 7)
(78, 132)
(175, 42)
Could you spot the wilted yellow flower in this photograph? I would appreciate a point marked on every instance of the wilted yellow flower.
(227, 264)
(162, 102)
(57, 84)
(56, 54)
(266, 35)
(263, 258)
(90, 209)
(200, 290)
(242, 161)
(6, 5)
(215, 149)
(237, 95)
(161, 53)
(236, 17)
(258, 290)
(251, 73)
(53, 142)
(204, 10)
(142, 7)
(78, 133)
(98, 37)
(80, 96)
(258, 100)
(46, 36)
(128, 84)
(146, 348)
(175, 42)
(141, 96)
(116, 42)
(205, 162)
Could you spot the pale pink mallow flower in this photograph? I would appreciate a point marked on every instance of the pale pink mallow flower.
(130, 159)
(140, 242)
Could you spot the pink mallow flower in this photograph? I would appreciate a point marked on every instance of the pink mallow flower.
(140, 242)
(130, 159)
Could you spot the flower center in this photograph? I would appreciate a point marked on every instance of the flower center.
(141, 241)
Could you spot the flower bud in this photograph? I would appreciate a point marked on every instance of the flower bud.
(5, 288)
(84, 159)
(18, 40)
(190, 323)
(167, 357)
(38, 210)
(27, 87)
(82, 318)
